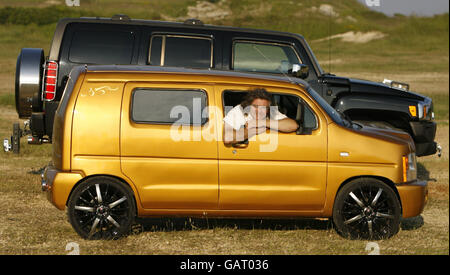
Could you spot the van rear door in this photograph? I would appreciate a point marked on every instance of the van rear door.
(168, 145)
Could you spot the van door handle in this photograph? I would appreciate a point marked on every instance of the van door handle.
(242, 144)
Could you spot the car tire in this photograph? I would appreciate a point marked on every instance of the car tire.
(367, 208)
(101, 208)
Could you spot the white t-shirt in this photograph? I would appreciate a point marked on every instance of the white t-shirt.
(236, 117)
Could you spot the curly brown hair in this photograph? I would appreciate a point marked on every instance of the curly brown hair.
(260, 93)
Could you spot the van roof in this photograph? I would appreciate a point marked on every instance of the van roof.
(204, 72)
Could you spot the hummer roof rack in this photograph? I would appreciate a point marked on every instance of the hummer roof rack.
(193, 21)
(121, 17)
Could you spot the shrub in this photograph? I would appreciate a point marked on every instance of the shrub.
(38, 16)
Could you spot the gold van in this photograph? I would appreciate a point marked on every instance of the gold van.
(134, 141)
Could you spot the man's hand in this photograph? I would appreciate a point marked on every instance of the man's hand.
(251, 129)
(256, 127)
(263, 123)
(255, 131)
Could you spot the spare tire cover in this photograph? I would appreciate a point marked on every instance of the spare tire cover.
(29, 69)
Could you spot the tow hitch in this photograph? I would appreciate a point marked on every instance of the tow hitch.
(13, 143)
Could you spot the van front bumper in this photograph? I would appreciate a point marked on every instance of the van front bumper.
(413, 197)
(58, 185)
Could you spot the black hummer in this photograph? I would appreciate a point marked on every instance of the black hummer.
(40, 80)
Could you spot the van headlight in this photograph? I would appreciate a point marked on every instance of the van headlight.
(409, 167)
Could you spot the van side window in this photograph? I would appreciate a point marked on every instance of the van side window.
(181, 51)
(289, 105)
(162, 106)
(263, 57)
(296, 108)
(102, 47)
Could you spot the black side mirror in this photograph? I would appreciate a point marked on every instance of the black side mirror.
(299, 70)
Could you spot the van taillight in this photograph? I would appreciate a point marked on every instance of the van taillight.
(50, 80)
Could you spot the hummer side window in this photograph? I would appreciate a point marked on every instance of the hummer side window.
(251, 56)
(102, 47)
(165, 106)
(181, 51)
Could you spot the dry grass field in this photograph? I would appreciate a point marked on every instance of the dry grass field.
(415, 50)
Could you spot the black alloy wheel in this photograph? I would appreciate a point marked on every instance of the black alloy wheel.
(101, 208)
(367, 208)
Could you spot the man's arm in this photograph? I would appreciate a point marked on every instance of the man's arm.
(285, 125)
(232, 136)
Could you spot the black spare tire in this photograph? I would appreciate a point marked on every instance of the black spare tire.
(29, 69)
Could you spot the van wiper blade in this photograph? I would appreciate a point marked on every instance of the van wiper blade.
(328, 74)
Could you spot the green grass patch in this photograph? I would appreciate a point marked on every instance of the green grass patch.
(7, 100)
(139, 9)
(38, 16)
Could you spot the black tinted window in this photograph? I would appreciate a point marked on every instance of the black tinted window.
(181, 51)
(102, 47)
(169, 106)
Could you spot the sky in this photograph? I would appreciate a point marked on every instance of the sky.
(408, 7)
